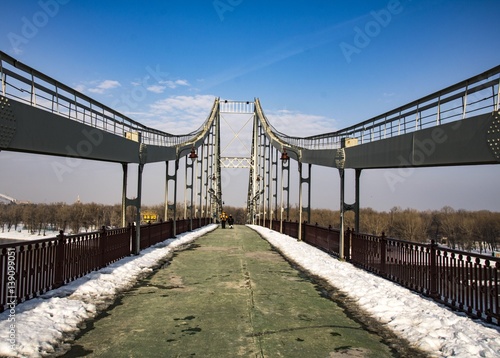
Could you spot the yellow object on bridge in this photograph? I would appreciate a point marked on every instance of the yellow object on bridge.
(149, 217)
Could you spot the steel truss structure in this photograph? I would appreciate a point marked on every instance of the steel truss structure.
(458, 125)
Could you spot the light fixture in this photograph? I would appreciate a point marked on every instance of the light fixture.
(193, 154)
(284, 155)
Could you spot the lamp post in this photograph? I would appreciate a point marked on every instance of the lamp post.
(256, 199)
(284, 161)
(193, 156)
(284, 156)
(213, 204)
(255, 203)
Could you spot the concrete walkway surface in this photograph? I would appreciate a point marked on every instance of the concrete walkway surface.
(229, 294)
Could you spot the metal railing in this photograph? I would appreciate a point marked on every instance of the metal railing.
(25, 84)
(477, 95)
(29, 269)
(464, 281)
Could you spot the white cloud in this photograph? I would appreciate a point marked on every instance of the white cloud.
(181, 114)
(156, 89)
(175, 84)
(104, 85)
(162, 85)
(182, 82)
(298, 124)
(80, 88)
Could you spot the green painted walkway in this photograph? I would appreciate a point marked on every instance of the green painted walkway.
(228, 295)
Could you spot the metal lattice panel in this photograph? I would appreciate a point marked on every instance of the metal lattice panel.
(493, 135)
(235, 162)
(7, 123)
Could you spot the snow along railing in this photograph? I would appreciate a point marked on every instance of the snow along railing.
(464, 281)
(461, 280)
(30, 268)
(25, 84)
(477, 95)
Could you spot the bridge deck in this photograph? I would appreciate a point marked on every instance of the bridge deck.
(229, 294)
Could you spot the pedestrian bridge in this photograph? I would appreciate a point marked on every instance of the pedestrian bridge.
(458, 125)
(230, 294)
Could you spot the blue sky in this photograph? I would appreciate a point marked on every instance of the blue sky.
(162, 63)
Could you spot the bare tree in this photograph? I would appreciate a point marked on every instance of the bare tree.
(373, 222)
(409, 225)
(488, 229)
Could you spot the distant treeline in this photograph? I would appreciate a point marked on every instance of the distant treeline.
(71, 218)
(459, 229)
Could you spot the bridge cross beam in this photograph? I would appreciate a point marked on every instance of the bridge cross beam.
(304, 180)
(285, 188)
(348, 207)
(189, 180)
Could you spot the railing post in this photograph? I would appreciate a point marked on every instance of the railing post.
(383, 255)
(131, 238)
(433, 270)
(2, 76)
(102, 245)
(347, 244)
(60, 259)
(149, 235)
(161, 230)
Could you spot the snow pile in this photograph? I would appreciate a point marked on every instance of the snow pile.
(42, 325)
(38, 327)
(424, 323)
(26, 235)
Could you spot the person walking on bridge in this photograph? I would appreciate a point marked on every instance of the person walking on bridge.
(223, 218)
(230, 221)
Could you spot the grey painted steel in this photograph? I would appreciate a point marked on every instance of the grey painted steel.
(342, 212)
(27, 85)
(124, 193)
(476, 95)
(25, 129)
(469, 141)
(39, 114)
(42, 132)
(285, 187)
(137, 242)
(458, 120)
(37, 131)
(459, 125)
(432, 131)
(235, 162)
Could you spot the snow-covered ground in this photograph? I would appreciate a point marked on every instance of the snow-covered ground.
(39, 327)
(42, 325)
(24, 235)
(427, 325)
